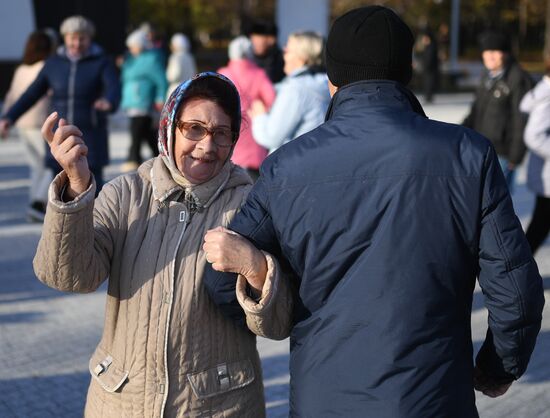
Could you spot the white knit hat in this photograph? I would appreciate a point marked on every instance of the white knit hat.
(240, 48)
(137, 38)
(180, 42)
(77, 24)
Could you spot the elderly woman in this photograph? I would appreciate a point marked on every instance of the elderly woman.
(302, 97)
(84, 87)
(166, 349)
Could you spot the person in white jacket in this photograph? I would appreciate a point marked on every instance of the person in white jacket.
(181, 64)
(537, 138)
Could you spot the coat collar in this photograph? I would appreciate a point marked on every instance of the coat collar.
(93, 51)
(200, 196)
(353, 97)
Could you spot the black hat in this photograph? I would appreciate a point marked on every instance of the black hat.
(261, 27)
(495, 41)
(368, 43)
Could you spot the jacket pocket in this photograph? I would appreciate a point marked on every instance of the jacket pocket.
(106, 371)
(223, 378)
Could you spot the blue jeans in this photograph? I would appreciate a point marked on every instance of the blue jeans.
(509, 175)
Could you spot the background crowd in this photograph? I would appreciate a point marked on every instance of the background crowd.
(282, 94)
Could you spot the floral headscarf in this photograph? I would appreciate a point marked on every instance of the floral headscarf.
(170, 110)
(197, 196)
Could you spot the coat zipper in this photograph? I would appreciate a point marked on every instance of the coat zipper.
(183, 217)
(72, 79)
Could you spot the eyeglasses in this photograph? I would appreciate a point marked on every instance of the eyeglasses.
(194, 131)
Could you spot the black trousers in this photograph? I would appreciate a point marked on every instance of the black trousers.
(540, 223)
(141, 130)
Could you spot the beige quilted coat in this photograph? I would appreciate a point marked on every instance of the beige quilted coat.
(166, 350)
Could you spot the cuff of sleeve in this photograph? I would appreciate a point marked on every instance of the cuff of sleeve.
(500, 370)
(269, 289)
(57, 187)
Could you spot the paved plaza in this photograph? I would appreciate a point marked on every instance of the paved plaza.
(46, 337)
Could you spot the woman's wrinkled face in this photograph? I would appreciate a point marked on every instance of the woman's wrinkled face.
(77, 43)
(199, 161)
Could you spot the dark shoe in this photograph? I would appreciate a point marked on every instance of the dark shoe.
(36, 212)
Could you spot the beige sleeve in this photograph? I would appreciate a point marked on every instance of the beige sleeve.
(271, 315)
(74, 251)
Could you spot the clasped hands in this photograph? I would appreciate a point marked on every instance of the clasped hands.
(230, 252)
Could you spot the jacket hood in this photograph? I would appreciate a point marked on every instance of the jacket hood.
(199, 196)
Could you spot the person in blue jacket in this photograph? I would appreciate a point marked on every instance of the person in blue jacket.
(84, 88)
(144, 86)
(385, 218)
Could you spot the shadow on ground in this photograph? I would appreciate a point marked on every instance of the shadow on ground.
(275, 373)
(13, 172)
(45, 396)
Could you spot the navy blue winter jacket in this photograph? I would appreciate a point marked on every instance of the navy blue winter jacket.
(75, 86)
(385, 219)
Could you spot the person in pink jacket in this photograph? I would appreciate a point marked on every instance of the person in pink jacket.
(253, 84)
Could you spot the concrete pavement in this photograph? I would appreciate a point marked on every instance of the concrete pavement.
(46, 337)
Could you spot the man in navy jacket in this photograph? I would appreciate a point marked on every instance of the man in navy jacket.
(384, 219)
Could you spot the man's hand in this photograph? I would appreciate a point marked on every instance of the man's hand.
(4, 127)
(70, 151)
(103, 105)
(487, 385)
(230, 252)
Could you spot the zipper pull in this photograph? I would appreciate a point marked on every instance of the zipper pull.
(183, 216)
(160, 205)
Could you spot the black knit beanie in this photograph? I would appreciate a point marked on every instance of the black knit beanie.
(494, 41)
(369, 43)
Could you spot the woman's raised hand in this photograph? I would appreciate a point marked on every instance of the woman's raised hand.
(70, 151)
